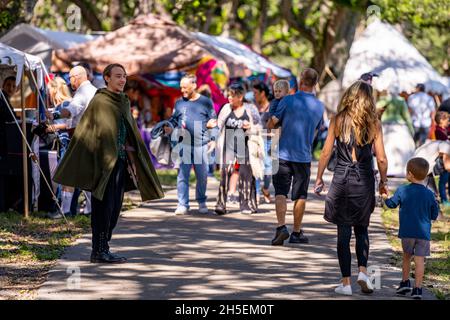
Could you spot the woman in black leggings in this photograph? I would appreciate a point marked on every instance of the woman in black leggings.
(351, 198)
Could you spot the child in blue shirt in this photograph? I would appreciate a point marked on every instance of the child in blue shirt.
(418, 207)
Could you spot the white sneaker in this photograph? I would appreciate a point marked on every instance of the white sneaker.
(181, 210)
(202, 208)
(365, 283)
(344, 290)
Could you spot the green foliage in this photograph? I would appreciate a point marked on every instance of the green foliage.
(425, 22)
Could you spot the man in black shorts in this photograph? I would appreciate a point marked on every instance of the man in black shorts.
(300, 115)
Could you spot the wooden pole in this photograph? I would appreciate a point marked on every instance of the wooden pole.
(24, 149)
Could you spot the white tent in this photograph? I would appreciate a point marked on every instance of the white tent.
(15, 62)
(42, 42)
(243, 54)
(384, 50)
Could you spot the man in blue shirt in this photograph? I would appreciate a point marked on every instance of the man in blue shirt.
(300, 116)
(418, 207)
(192, 117)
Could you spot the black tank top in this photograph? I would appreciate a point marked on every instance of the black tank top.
(235, 123)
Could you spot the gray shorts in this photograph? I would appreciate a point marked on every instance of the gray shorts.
(416, 247)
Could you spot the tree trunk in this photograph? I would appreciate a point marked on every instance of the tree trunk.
(115, 12)
(338, 37)
(88, 12)
(231, 21)
(262, 23)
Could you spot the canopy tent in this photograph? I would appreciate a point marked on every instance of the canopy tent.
(241, 53)
(15, 62)
(384, 50)
(148, 44)
(19, 64)
(41, 42)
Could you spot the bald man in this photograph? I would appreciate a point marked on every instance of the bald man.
(84, 92)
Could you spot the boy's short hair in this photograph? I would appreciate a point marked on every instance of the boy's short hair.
(418, 167)
(281, 84)
(440, 115)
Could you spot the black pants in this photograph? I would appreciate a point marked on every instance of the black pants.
(246, 186)
(343, 247)
(105, 212)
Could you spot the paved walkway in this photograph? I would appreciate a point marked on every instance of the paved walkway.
(216, 257)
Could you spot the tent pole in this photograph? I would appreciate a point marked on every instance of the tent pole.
(24, 150)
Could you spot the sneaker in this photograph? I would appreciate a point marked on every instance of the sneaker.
(202, 208)
(246, 212)
(266, 195)
(365, 283)
(56, 215)
(181, 210)
(404, 288)
(232, 199)
(416, 293)
(220, 210)
(298, 237)
(280, 235)
(344, 290)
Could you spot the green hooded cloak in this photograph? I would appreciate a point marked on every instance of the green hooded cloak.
(93, 149)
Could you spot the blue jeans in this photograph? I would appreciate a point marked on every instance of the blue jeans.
(267, 168)
(197, 153)
(443, 179)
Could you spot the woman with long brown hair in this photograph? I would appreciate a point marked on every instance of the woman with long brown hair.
(351, 198)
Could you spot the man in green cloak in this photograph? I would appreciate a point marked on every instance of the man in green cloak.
(108, 157)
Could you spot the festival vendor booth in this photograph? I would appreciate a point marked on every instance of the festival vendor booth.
(384, 50)
(21, 172)
(148, 45)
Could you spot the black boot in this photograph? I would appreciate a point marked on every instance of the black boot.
(103, 255)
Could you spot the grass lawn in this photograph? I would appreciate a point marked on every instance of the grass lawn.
(437, 266)
(29, 248)
(168, 178)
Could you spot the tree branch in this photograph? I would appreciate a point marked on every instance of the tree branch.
(296, 22)
(88, 12)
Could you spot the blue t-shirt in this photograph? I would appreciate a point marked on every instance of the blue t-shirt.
(192, 114)
(418, 206)
(300, 115)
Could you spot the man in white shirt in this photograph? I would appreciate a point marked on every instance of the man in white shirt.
(432, 151)
(423, 109)
(84, 92)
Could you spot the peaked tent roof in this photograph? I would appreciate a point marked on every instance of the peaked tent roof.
(148, 44)
(42, 42)
(14, 62)
(384, 50)
(243, 54)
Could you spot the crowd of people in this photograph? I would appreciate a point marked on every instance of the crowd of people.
(255, 143)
